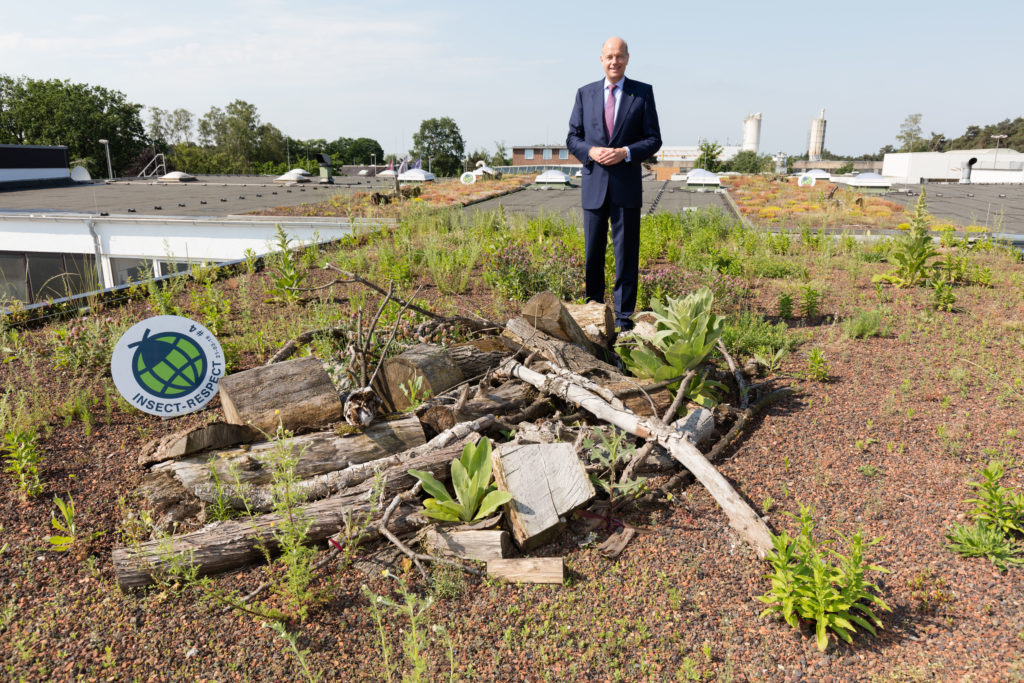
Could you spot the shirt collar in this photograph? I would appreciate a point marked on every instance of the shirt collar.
(607, 83)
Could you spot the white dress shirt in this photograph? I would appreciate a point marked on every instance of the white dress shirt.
(618, 101)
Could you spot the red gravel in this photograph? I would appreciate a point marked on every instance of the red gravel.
(681, 589)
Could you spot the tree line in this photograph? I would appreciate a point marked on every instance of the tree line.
(232, 139)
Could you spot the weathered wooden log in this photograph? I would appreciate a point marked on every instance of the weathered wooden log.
(188, 441)
(521, 334)
(599, 315)
(296, 393)
(470, 545)
(327, 462)
(426, 364)
(477, 356)
(509, 397)
(750, 527)
(227, 545)
(529, 569)
(168, 501)
(547, 481)
(547, 313)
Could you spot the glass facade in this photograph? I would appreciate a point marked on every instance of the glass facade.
(32, 277)
(127, 270)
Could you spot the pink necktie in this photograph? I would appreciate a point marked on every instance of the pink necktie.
(609, 112)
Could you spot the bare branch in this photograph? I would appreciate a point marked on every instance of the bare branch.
(684, 386)
(741, 383)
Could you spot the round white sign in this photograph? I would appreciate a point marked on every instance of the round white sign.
(468, 178)
(167, 365)
(806, 180)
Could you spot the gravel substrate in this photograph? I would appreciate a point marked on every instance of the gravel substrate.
(886, 444)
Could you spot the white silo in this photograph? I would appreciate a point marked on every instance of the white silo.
(817, 140)
(751, 133)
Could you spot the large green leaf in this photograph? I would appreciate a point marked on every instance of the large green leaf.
(446, 511)
(462, 483)
(491, 502)
(431, 485)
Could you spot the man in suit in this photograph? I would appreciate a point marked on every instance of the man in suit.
(613, 128)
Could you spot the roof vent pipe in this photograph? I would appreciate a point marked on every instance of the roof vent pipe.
(965, 171)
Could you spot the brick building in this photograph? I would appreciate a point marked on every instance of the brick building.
(543, 155)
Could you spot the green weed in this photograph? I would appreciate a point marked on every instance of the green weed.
(805, 585)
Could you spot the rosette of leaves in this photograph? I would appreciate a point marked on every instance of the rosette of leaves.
(913, 253)
(475, 496)
(686, 332)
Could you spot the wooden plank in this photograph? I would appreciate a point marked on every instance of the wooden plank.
(297, 392)
(471, 545)
(547, 481)
(529, 569)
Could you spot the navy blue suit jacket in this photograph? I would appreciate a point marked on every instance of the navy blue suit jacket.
(636, 127)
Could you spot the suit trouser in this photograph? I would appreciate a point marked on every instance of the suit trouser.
(625, 224)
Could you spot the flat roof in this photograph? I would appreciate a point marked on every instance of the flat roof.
(969, 204)
(214, 196)
(536, 200)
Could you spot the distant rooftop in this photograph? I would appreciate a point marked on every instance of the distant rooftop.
(215, 196)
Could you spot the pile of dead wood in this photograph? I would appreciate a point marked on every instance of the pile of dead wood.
(547, 380)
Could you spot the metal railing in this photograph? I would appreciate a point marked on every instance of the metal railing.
(158, 164)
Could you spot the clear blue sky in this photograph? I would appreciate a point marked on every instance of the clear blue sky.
(509, 71)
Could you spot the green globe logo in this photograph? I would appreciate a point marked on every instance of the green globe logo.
(168, 364)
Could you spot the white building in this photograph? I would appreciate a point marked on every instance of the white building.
(677, 154)
(991, 166)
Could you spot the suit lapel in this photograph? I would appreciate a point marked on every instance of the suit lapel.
(599, 108)
(624, 104)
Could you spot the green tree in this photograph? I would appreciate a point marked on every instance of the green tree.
(976, 137)
(749, 161)
(500, 156)
(361, 149)
(909, 136)
(78, 115)
(478, 154)
(157, 128)
(709, 156)
(239, 138)
(180, 125)
(440, 139)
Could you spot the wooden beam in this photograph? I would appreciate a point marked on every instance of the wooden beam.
(529, 569)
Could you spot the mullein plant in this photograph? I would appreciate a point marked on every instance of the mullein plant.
(686, 332)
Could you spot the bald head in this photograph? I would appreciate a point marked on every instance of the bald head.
(614, 58)
(615, 42)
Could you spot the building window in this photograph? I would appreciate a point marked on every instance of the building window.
(563, 154)
(547, 155)
(528, 154)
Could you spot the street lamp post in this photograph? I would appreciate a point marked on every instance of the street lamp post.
(110, 171)
(997, 138)
(373, 157)
(430, 162)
